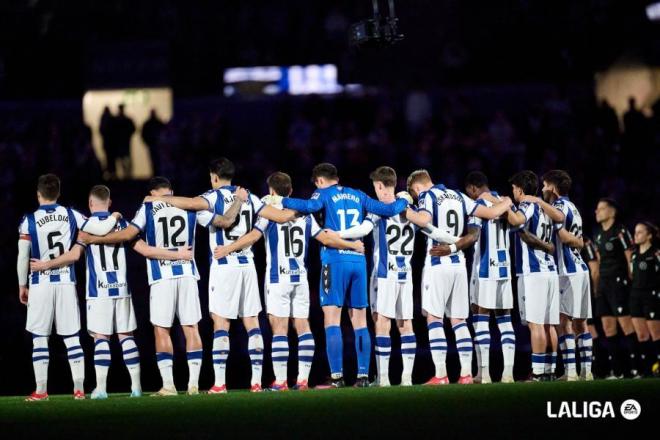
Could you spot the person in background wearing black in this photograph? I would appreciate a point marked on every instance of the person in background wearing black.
(124, 129)
(108, 133)
(592, 364)
(613, 243)
(645, 295)
(151, 135)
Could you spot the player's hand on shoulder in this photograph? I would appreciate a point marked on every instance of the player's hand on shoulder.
(220, 252)
(529, 199)
(241, 193)
(117, 215)
(272, 200)
(440, 250)
(185, 253)
(37, 265)
(359, 246)
(23, 293)
(406, 196)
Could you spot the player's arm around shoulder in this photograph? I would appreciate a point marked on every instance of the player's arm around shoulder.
(227, 219)
(332, 239)
(491, 212)
(570, 239)
(384, 209)
(127, 234)
(197, 203)
(101, 227)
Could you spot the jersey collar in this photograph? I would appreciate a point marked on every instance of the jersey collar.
(47, 207)
(440, 186)
(231, 188)
(494, 193)
(100, 214)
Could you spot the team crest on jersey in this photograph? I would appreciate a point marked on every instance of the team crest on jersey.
(643, 265)
(609, 246)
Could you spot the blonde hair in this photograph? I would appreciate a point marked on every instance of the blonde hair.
(418, 176)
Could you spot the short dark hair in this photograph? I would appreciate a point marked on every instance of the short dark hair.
(325, 170)
(610, 202)
(476, 178)
(281, 183)
(101, 192)
(158, 182)
(223, 168)
(385, 175)
(527, 181)
(48, 186)
(560, 179)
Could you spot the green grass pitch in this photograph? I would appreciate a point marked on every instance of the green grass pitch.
(501, 410)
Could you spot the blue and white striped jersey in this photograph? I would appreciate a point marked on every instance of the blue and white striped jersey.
(220, 200)
(537, 223)
(569, 260)
(106, 264)
(167, 227)
(286, 248)
(394, 240)
(52, 231)
(491, 252)
(450, 210)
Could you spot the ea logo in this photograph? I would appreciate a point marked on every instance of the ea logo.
(630, 409)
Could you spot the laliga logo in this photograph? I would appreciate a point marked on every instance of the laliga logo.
(630, 410)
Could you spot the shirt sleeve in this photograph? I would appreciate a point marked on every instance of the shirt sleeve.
(470, 205)
(80, 219)
(425, 202)
(23, 227)
(256, 203)
(373, 218)
(210, 197)
(314, 204)
(140, 219)
(383, 209)
(626, 238)
(315, 228)
(261, 224)
(527, 209)
(205, 218)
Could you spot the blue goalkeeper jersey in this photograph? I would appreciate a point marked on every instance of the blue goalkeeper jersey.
(342, 208)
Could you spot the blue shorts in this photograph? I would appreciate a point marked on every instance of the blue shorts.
(344, 283)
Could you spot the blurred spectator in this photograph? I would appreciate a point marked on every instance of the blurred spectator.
(124, 129)
(151, 131)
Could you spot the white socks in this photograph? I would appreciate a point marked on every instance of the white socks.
(220, 354)
(101, 363)
(76, 361)
(40, 359)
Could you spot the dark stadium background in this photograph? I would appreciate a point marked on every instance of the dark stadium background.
(510, 86)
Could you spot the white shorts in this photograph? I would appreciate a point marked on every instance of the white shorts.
(538, 298)
(107, 316)
(285, 300)
(491, 294)
(575, 298)
(445, 291)
(234, 291)
(391, 298)
(174, 297)
(48, 303)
